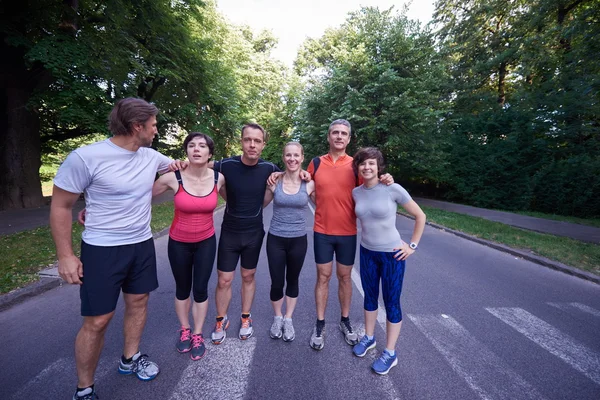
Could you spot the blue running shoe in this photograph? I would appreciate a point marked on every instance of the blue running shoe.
(363, 346)
(384, 363)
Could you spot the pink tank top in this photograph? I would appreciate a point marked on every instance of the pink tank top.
(193, 220)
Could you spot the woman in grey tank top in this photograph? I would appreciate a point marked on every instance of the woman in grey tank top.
(286, 241)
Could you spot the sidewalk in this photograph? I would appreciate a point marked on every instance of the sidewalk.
(582, 233)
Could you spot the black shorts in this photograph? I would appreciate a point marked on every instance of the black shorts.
(109, 269)
(343, 246)
(233, 246)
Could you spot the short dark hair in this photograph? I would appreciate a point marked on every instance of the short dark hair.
(367, 153)
(192, 135)
(340, 122)
(127, 112)
(255, 126)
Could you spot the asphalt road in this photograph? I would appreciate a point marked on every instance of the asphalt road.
(478, 324)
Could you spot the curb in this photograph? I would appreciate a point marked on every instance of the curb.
(50, 281)
(558, 266)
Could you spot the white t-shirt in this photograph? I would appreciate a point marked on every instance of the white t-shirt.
(118, 190)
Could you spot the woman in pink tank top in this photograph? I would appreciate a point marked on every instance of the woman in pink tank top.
(192, 242)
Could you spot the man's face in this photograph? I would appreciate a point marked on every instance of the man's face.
(253, 143)
(338, 137)
(146, 132)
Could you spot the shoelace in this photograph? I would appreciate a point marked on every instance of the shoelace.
(197, 340)
(348, 326)
(246, 322)
(386, 357)
(141, 363)
(219, 326)
(185, 334)
(364, 341)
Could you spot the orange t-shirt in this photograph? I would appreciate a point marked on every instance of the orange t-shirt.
(334, 181)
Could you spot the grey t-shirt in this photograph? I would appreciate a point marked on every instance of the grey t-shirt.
(376, 210)
(289, 212)
(118, 190)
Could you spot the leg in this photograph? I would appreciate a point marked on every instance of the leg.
(294, 260)
(276, 256)
(88, 346)
(204, 258)
(136, 311)
(392, 278)
(322, 288)
(344, 275)
(223, 292)
(248, 289)
(181, 260)
(369, 277)
(393, 332)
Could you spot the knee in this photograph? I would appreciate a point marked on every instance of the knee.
(248, 275)
(97, 324)
(344, 275)
(323, 278)
(276, 293)
(136, 301)
(393, 314)
(200, 296)
(225, 281)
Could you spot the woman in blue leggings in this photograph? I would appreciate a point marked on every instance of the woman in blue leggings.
(382, 251)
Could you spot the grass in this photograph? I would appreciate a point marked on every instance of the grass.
(24, 254)
(585, 256)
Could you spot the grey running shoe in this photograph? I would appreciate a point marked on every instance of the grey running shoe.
(185, 340)
(276, 331)
(288, 330)
(87, 394)
(220, 333)
(317, 339)
(140, 366)
(349, 333)
(246, 329)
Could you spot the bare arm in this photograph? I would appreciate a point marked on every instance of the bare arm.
(413, 209)
(221, 186)
(310, 189)
(164, 183)
(268, 195)
(69, 265)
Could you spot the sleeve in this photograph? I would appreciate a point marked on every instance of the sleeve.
(276, 168)
(163, 163)
(311, 168)
(399, 194)
(73, 175)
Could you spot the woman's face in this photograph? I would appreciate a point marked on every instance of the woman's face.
(293, 157)
(198, 151)
(368, 169)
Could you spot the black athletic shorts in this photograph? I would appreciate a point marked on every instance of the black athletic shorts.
(109, 269)
(235, 246)
(343, 246)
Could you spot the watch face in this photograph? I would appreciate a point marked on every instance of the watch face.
(413, 246)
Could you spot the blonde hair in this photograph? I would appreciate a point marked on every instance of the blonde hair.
(293, 144)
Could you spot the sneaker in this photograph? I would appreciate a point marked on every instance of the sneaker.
(198, 347)
(363, 346)
(384, 363)
(349, 334)
(288, 330)
(220, 333)
(317, 339)
(276, 328)
(140, 366)
(185, 340)
(87, 394)
(246, 330)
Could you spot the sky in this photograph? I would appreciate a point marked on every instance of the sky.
(293, 21)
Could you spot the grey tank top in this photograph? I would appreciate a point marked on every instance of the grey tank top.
(289, 212)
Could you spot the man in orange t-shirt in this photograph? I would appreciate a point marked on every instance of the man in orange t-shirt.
(335, 228)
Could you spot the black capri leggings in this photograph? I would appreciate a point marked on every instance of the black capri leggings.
(192, 260)
(283, 252)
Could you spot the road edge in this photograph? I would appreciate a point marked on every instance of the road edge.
(546, 262)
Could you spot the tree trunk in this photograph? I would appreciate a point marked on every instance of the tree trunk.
(502, 71)
(20, 156)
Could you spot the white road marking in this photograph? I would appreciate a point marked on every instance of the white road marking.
(551, 339)
(582, 307)
(485, 373)
(48, 376)
(227, 377)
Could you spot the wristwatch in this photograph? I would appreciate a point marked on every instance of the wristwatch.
(413, 245)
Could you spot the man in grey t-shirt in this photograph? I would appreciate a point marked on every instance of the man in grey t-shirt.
(117, 250)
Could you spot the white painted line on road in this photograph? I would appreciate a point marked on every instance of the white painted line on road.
(48, 376)
(551, 339)
(586, 309)
(227, 377)
(485, 373)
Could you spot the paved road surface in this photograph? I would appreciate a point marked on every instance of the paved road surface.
(478, 324)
